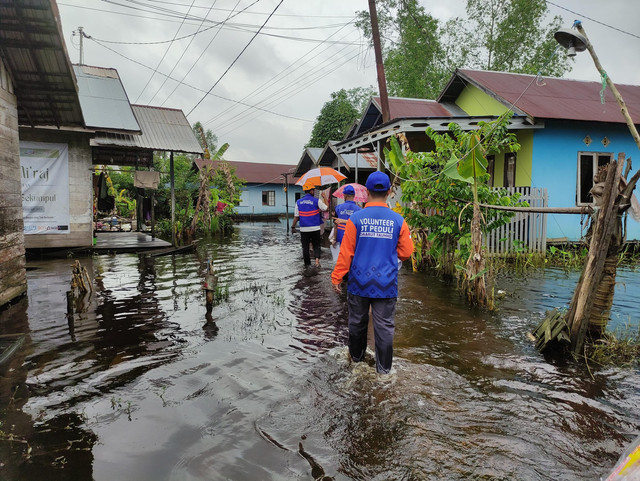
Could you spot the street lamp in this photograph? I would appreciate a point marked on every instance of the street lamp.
(577, 41)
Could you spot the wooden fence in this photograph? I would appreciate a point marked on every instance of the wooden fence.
(525, 232)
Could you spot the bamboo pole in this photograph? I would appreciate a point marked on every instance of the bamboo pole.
(610, 84)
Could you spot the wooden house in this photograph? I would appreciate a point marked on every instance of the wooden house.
(37, 91)
(565, 128)
(270, 189)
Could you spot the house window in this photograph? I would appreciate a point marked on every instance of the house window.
(509, 170)
(491, 160)
(298, 196)
(588, 164)
(269, 197)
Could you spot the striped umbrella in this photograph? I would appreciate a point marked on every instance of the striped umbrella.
(321, 176)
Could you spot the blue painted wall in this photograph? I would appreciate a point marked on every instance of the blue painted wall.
(555, 166)
(251, 202)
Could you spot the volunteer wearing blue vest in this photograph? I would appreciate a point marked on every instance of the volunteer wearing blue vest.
(374, 239)
(308, 213)
(345, 210)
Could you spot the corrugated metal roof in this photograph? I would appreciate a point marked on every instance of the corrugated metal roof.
(365, 160)
(555, 98)
(399, 107)
(308, 160)
(32, 46)
(104, 102)
(162, 129)
(257, 172)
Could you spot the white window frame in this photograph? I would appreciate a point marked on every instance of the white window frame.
(596, 156)
(271, 198)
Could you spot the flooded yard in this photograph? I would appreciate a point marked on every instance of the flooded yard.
(145, 385)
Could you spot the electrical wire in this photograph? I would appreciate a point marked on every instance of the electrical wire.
(197, 88)
(292, 86)
(292, 94)
(261, 13)
(593, 20)
(164, 55)
(235, 60)
(184, 51)
(272, 80)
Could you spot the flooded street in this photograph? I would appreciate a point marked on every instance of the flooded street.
(142, 386)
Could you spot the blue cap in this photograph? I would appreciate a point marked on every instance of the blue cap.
(378, 182)
(348, 190)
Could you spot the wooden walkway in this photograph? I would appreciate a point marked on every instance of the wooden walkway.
(127, 242)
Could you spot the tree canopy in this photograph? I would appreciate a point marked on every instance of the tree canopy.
(420, 53)
(338, 114)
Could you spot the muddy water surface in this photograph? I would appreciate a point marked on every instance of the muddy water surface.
(144, 385)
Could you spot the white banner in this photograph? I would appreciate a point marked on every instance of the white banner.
(45, 187)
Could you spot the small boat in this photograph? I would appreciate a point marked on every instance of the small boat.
(169, 250)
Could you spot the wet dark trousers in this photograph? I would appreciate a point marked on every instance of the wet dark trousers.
(383, 311)
(314, 238)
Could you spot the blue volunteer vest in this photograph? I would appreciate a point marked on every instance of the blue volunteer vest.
(374, 269)
(309, 211)
(344, 211)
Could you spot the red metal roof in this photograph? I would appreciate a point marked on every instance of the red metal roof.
(258, 172)
(556, 98)
(404, 107)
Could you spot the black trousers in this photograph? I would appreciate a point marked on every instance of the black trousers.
(306, 238)
(383, 312)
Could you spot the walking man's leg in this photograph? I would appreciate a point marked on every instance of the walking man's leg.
(383, 311)
(305, 238)
(315, 239)
(358, 324)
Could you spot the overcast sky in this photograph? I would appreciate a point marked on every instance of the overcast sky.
(307, 50)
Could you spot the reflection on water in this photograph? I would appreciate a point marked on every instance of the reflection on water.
(146, 384)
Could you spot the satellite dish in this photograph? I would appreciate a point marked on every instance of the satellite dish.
(571, 40)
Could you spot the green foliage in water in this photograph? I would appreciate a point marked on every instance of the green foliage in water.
(620, 348)
(439, 205)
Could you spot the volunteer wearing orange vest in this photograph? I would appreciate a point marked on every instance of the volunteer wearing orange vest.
(308, 213)
(375, 238)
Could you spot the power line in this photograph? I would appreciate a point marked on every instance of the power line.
(235, 60)
(593, 20)
(164, 55)
(184, 51)
(301, 88)
(286, 91)
(200, 56)
(259, 13)
(263, 87)
(197, 88)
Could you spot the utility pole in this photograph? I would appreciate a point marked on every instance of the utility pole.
(286, 196)
(82, 35)
(382, 81)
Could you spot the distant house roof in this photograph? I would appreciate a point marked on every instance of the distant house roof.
(548, 98)
(163, 129)
(400, 107)
(33, 50)
(330, 154)
(256, 172)
(308, 160)
(105, 105)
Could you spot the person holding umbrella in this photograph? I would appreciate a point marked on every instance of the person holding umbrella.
(375, 238)
(307, 211)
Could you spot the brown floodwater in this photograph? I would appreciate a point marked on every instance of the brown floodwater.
(144, 385)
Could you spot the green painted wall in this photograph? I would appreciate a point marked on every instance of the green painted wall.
(475, 102)
(523, 161)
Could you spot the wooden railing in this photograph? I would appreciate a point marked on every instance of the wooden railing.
(527, 231)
